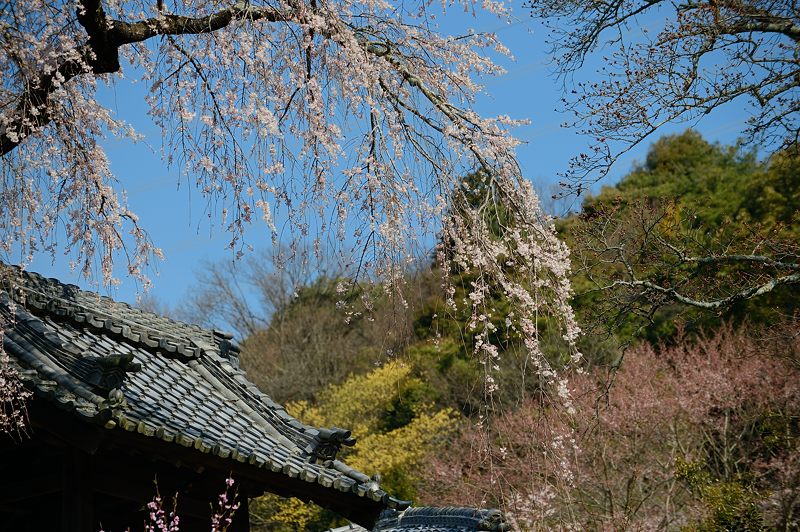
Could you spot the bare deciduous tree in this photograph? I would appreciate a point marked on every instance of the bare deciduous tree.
(698, 56)
(243, 296)
(295, 337)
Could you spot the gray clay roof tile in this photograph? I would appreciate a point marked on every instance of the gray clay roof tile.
(428, 519)
(180, 383)
(186, 390)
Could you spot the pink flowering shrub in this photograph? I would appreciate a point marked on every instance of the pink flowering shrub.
(704, 434)
(13, 414)
(159, 519)
(13, 395)
(225, 509)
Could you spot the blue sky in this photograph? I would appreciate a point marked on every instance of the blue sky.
(175, 217)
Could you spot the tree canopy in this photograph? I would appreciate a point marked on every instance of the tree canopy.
(696, 225)
(695, 426)
(255, 102)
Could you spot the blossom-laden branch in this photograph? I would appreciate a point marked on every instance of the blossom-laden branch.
(160, 520)
(706, 54)
(13, 394)
(350, 119)
(101, 55)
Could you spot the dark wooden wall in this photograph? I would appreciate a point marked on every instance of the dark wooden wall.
(80, 481)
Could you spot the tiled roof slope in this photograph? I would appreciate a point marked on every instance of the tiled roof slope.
(428, 519)
(126, 369)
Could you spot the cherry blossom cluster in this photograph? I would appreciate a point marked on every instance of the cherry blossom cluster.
(158, 519)
(343, 122)
(225, 509)
(527, 262)
(13, 394)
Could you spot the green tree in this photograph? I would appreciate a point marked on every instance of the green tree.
(699, 231)
(685, 167)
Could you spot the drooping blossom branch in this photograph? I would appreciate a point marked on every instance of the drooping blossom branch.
(13, 394)
(13, 397)
(350, 121)
(100, 54)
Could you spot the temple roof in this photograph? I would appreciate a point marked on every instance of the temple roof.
(429, 519)
(130, 371)
(125, 369)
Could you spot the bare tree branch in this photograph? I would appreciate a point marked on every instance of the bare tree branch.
(713, 304)
(706, 54)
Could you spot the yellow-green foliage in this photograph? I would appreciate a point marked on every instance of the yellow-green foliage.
(396, 428)
(358, 403)
(276, 514)
(730, 505)
(398, 454)
(369, 405)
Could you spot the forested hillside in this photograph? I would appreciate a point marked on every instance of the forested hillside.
(687, 412)
(697, 234)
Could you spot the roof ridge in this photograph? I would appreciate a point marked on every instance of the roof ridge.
(32, 354)
(151, 330)
(460, 517)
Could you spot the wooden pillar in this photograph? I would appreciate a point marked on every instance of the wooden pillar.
(77, 498)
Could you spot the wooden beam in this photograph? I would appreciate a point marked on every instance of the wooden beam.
(65, 426)
(17, 489)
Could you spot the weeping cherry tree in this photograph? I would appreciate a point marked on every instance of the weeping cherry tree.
(346, 120)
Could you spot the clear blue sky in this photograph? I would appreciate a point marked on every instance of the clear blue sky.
(174, 216)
